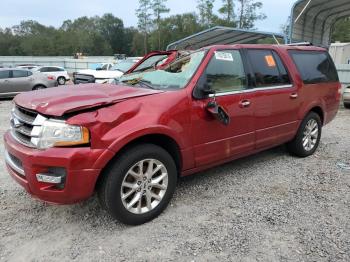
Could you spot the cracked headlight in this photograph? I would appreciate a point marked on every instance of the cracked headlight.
(56, 133)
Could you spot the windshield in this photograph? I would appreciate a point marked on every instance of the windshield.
(175, 76)
(123, 66)
(151, 62)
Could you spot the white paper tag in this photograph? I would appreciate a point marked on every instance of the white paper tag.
(224, 56)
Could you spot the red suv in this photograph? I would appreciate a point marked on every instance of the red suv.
(132, 140)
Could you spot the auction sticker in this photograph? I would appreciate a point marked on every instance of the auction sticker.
(224, 56)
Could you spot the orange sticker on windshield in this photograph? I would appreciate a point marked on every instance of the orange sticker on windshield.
(270, 61)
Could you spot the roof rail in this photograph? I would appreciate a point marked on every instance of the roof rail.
(300, 44)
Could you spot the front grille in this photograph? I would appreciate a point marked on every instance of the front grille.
(25, 125)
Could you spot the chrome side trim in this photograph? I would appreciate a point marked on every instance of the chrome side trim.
(12, 164)
(251, 90)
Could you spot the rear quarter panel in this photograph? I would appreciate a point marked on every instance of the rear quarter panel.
(322, 95)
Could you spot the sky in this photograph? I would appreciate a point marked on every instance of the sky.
(55, 12)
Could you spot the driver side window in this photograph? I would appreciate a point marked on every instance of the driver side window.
(225, 72)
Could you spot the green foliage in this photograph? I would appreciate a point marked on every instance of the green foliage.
(341, 30)
(249, 13)
(144, 15)
(107, 35)
(159, 8)
(206, 13)
(228, 11)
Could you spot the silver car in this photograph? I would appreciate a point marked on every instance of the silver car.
(15, 80)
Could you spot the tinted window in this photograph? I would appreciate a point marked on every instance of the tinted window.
(44, 69)
(4, 74)
(268, 69)
(225, 71)
(55, 69)
(19, 73)
(315, 67)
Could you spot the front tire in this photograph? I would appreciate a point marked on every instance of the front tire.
(138, 186)
(347, 105)
(308, 136)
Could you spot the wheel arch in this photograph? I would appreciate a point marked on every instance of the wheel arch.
(37, 85)
(318, 110)
(164, 141)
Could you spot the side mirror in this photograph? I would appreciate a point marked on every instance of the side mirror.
(203, 88)
(99, 69)
(218, 112)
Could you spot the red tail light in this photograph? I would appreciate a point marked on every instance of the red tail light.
(51, 78)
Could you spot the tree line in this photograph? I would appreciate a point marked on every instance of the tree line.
(107, 35)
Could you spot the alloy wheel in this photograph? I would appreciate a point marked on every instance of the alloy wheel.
(310, 135)
(144, 186)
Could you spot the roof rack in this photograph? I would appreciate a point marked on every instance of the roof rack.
(300, 44)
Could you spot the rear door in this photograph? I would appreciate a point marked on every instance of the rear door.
(276, 100)
(5, 81)
(212, 140)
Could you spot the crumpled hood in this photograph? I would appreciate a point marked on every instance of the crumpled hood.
(67, 99)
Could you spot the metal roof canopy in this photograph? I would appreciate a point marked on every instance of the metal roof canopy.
(220, 35)
(313, 20)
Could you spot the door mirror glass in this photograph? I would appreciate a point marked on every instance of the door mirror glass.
(204, 88)
(218, 112)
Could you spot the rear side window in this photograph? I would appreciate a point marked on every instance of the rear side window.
(44, 69)
(315, 67)
(55, 69)
(19, 73)
(268, 69)
(4, 74)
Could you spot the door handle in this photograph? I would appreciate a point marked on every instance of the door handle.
(294, 96)
(244, 103)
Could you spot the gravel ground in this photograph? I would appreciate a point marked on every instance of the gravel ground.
(267, 207)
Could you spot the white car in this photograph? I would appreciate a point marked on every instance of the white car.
(60, 73)
(105, 73)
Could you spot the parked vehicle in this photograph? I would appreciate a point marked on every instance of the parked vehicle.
(131, 141)
(153, 60)
(102, 76)
(60, 73)
(14, 81)
(346, 97)
(28, 66)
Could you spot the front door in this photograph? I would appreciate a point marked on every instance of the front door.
(213, 141)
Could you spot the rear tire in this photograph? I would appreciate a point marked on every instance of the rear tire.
(61, 80)
(130, 191)
(346, 105)
(39, 87)
(308, 136)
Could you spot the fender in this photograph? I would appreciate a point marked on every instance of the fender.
(124, 140)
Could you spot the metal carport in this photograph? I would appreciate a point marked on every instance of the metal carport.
(223, 35)
(313, 20)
